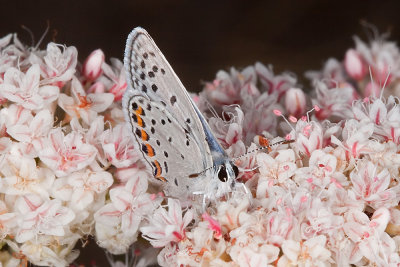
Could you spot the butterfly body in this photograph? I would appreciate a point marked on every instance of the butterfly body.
(170, 131)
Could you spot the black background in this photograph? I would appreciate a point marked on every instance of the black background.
(200, 37)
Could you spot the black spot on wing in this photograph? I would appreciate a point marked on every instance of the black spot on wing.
(172, 100)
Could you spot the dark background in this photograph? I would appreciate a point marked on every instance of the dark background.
(200, 37)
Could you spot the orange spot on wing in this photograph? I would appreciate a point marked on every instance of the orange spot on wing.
(158, 170)
(139, 121)
(150, 151)
(144, 135)
(139, 111)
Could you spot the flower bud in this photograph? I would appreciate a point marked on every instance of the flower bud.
(92, 65)
(354, 65)
(295, 102)
(97, 87)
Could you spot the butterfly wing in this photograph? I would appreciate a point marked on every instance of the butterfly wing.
(155, 94)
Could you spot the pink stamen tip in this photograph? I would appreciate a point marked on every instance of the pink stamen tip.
(292, 119)
(153, 196)
(303, 118)
(366, 99)
(303, 199)
(316, 108)
(286, 167)
(310, 180)
(277, 112)
(288, 137)
(279, 201)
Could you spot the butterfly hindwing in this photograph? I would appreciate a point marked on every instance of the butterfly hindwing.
(159, 137)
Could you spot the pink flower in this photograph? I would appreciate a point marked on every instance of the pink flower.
(128, 205)
(354, 65)
(213, 225)
(118, 146)
(295, 102)
(308, 136)
(333, 102)
(41, 217)
(356, 138)
(66, 154)
(21, 176)
(381, 55)
(57, 67)
(274, 83)
(311, 252)
(372, 185)
(115, 81)
(332, 73)
(25, 90)
(321, 172)
(92, 67)
(369, 236)
(167, 226)
(86, 186)
(33, 135)
(280, 226)
(84, 106)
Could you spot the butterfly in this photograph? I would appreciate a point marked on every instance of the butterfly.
(170, 131)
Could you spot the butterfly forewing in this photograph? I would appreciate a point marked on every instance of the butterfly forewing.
(155, 90)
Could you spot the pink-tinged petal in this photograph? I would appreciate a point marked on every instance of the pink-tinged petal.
(49, 93)
(108, 215)
(81, 198)
(121, 198)
(378, 112)
(380, 219)
(137, 184)
(28, 203)
(100, 102)
(61, 189)
(42, 123)
(291, 249)
(130, 222)
(21, 133)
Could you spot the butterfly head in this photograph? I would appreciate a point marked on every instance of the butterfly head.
(227, 172)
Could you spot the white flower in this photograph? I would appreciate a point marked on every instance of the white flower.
(84, 106)
(25, 90)
(40, 217)
(21, 176)
(66, 154)
(167, 226)
(308, 253)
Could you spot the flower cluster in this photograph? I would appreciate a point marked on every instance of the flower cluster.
(68, 167)
(329, 196)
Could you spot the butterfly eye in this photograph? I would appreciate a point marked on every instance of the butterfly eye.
(222, 175)
(235, 170)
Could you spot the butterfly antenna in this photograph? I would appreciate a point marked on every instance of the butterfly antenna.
(268, 147)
